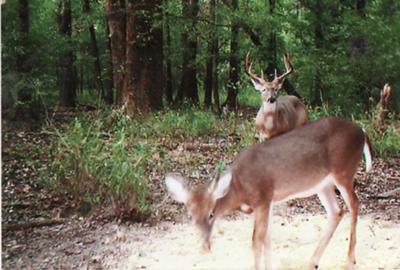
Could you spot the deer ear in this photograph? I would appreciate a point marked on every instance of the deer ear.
(176, 187)
(257, 85)
(222, 187)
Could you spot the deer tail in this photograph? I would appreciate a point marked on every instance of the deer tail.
(367, 152)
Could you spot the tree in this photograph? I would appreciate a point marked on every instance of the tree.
(188, 87)
(67, 80)
(168, 75)
(137, 53)
(25, 107)
(143, 82)
(116, 18)
(231, 99)
(211, 81)
(94, 51)
(108, 80)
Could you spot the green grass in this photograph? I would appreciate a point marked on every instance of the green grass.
(105, 159)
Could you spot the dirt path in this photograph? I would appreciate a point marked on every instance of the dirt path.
(170, 245)
(177, 247)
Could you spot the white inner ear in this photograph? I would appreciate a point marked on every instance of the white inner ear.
(257, 85)
(222, 187)
(176, 188)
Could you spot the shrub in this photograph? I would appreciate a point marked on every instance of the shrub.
(104, 159)
(98, 162)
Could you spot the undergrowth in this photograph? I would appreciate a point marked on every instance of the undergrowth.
(104, 158)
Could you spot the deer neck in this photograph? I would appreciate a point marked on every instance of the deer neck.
(269, 107)
(227, 204)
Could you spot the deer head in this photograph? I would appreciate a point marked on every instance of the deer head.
(200, 203)
(269, 89)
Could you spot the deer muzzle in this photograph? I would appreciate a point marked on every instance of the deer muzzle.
(272, 99)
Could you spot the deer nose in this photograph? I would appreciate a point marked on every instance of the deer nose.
(272, 99)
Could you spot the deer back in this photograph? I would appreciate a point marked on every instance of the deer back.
(296, 161)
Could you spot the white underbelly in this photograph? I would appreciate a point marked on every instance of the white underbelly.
(320, 185)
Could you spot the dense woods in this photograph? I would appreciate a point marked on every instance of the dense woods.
(146, 55)
(102, 99)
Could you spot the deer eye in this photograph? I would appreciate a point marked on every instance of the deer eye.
(211, 216)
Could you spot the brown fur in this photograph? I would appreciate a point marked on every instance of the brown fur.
(283, 167)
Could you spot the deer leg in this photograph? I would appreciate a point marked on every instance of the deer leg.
(351, 200)
(260, 234)
(267, 241)
(335, 213)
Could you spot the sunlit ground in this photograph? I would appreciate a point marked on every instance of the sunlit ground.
(293, 242)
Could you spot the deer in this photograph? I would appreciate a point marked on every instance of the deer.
(277, 114)
(382, 107)
(312, 159)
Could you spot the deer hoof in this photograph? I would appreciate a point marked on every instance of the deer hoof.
(351, 265)
(313, 266)
(206, 247)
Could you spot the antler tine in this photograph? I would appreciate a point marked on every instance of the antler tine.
(288, 66)
(248, 65)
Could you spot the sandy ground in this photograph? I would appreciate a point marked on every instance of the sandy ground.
(176, 246)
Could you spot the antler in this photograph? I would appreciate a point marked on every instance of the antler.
(248, 65)
(288, 66)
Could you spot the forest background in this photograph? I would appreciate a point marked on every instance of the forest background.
(133, 79)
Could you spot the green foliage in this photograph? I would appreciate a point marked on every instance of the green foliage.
(324, 111)
(186, 124)
(385, 144)
(355, 55)
(98, 163)
(388, 143)
(106, 158)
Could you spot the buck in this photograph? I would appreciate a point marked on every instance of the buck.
(278, 114)
(312, 159)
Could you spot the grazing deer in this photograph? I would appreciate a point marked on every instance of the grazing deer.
(313, 159)
(278, 114)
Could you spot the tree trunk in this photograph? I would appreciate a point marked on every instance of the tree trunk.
(188, 87)
(67, 73)
(22, 63)
(168, 77)
(108, 80)
(318, 95)
(271, 47)
(94, 51)
(215, 60)
(211, 65)
(116, 18)
(26, 107)
(144, 59)
(215, 85)
(208, 84)
(231, 100)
